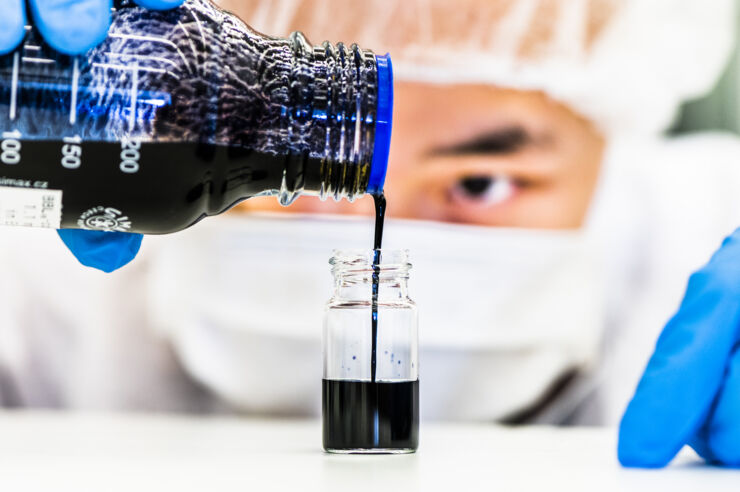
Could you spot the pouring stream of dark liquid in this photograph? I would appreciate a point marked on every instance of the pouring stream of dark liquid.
(377, 244)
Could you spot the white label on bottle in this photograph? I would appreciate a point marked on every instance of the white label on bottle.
(30, 207)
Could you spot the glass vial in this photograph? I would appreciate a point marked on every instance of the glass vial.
(362, 415)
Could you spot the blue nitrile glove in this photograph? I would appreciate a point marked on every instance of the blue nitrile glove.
(106, 251)
(690, 391)
(73, 27)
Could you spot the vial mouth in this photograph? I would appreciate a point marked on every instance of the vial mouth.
(362, 260)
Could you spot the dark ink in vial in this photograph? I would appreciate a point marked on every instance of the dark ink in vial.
(362, 416)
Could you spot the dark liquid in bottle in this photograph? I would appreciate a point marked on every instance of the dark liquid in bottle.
(178, 183)
(363, 415)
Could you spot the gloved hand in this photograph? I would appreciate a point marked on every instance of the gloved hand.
(73, 27)
(690, 391)
(69, 26)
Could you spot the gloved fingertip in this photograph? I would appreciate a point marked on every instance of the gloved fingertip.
(160, 4)
(12, 26)
(722, 432)
(104, 251)
(633, 451)
(72, 29)
(725, 451)
(637, 460)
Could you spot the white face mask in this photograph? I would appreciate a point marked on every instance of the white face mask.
(503, 312)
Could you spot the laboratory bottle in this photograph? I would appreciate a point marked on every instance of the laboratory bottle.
(181, 114)
(366, 412)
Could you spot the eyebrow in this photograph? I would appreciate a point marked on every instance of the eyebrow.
(500, 141)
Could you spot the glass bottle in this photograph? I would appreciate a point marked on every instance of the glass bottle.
(181, 114)
(362, 415)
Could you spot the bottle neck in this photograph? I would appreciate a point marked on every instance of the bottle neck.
(333, 101)
(318, 106)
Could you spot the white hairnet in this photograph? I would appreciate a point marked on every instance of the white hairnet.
(624, 64)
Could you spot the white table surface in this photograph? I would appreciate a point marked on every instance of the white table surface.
(57, 451)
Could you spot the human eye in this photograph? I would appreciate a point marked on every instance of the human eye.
(487, 190)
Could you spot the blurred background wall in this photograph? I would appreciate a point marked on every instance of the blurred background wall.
(719, 110)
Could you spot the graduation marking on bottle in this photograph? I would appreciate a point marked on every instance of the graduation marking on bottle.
(75, 89)
(130, 155)
(72, 152)
(10, 148)
(134, 96)
(14, 87)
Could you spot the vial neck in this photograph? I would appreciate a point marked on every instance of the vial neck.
(357, 288)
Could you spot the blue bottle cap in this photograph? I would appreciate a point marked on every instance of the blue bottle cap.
(383, 125)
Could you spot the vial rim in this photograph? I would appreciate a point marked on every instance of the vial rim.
(362, 259)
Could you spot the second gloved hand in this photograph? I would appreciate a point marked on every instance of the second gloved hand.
(690, 391)
(73, 27)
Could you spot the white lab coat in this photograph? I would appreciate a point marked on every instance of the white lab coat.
(71, 337)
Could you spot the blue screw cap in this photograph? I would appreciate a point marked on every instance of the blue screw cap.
(383, 125)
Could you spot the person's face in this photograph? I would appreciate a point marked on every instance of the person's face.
(480, 155)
